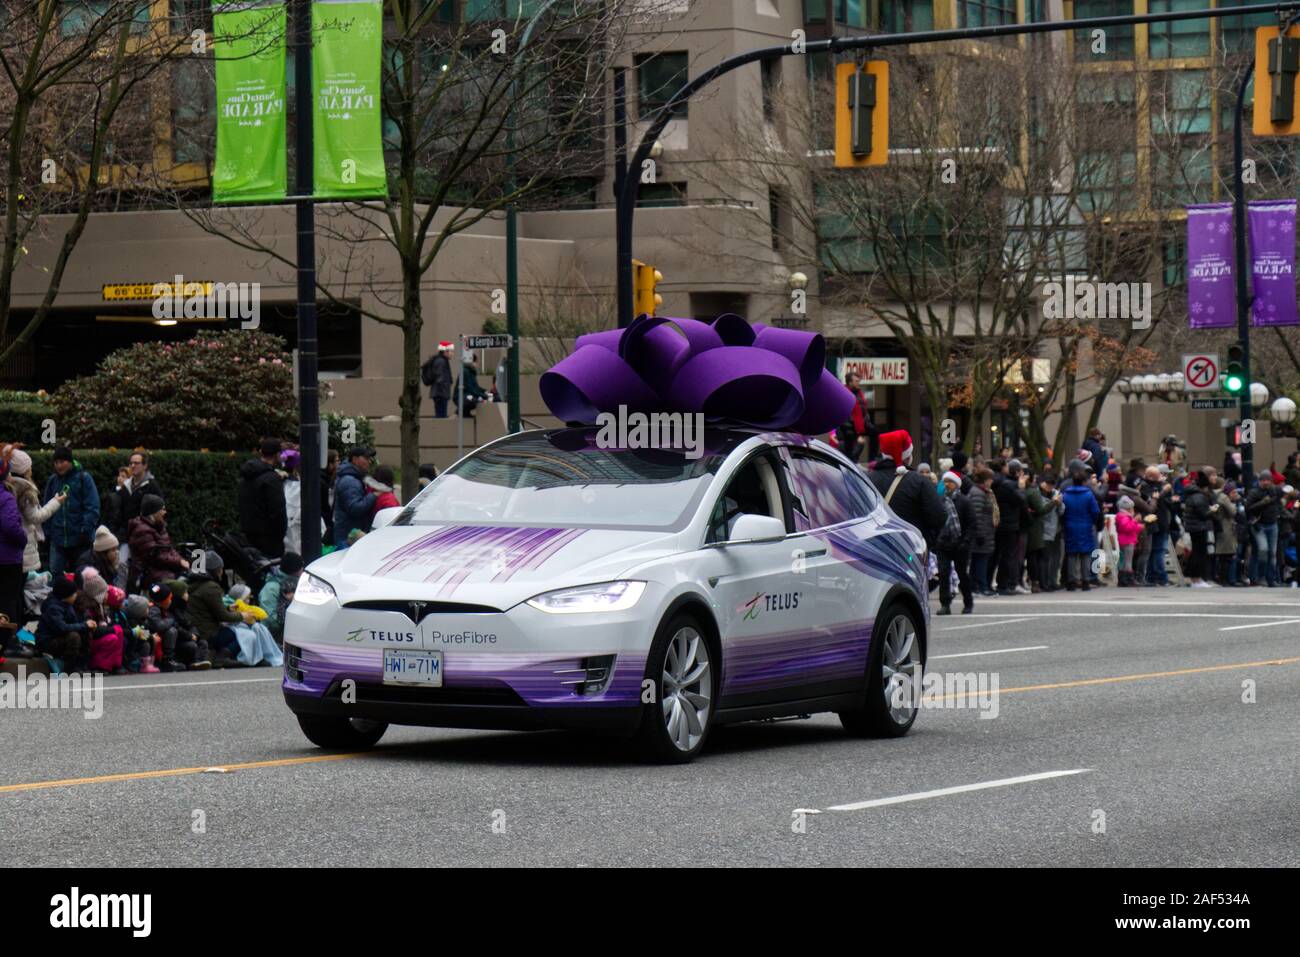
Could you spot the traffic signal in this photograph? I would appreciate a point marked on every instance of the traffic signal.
(861, 114)
(1277, 69)
(1234, 373)
(644, 280)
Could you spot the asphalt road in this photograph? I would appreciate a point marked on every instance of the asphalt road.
(1138, 691)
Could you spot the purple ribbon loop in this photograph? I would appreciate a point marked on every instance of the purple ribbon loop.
(757, 375)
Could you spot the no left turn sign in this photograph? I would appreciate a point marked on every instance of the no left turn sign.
(1200, 373)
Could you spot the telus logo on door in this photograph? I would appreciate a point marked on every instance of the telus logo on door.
(782, 601)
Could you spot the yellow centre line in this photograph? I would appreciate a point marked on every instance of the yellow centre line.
(318, 758)
(177, 772)
(1085, 682)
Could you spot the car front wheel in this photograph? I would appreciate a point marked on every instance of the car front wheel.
(682, 676)
(341, 734)
(893, 673)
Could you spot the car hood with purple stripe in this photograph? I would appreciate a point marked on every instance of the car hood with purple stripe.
(493, 565)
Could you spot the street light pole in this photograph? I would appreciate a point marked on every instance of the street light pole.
(309, 431)
(1243, 289)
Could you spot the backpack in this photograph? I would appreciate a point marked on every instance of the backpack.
(950, 534)
(426, 371)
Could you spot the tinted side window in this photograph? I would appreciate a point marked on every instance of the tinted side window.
(824, 494)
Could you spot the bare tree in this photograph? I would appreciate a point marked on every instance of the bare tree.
(74, 88)
(459, 100)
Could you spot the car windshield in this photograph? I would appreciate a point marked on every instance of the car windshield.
(562, 478)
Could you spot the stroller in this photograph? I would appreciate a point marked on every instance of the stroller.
(250, 565)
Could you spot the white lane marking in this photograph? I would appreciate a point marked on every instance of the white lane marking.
(985, 624)
(999, 651)
(960, 789)
(1263, 624)
(188, 684)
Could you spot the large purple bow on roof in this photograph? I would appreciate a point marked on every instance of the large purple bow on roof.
(753, 374)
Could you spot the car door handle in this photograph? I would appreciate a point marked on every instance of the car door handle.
(815, 553)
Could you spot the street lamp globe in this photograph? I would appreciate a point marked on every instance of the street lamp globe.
(1164, 382)
(1177, 381)
(1258, 394)
(1284, 410)
(1123, 387)
(798, 280)
(656, 149)
(1139, 384)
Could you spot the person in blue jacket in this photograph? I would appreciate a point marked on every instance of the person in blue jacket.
(70, 530)
(1080, 523)
(353, 505)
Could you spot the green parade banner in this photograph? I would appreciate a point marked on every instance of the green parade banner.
(250, 66)
(346, 77)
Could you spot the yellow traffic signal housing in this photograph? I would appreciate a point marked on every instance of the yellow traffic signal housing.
(644, 280)
(861, 114)
(1277, 70)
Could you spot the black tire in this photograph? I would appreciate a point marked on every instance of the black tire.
(341, 734)
(653, 738)
(875, 719)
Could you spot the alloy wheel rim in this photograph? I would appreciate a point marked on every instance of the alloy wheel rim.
(687, 688)
(899, 665)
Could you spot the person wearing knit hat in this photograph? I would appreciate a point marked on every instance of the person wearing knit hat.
(436, 374)
(209, 615)
(107, 643)
(62, 633)
(105, 557)
(34, 514)
(277, 592)
(70, 530)
(139, 651)
(179, 649)
(912, 496)
(1127, 530)
(153, 557)
(953, 544)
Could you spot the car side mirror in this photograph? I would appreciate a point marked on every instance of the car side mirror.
(756, 528)
(385, 516)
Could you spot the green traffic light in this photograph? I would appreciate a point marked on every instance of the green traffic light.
(1233, 383)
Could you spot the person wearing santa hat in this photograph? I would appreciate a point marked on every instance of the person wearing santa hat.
(436, 374)
(912, 496)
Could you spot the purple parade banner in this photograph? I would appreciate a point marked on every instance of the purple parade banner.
(1272, 244)
(1211, 295)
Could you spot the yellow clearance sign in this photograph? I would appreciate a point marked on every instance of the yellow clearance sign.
(149, 291)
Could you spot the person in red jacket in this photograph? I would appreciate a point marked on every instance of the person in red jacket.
(381, 481)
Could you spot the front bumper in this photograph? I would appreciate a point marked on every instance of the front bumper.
(520, 668)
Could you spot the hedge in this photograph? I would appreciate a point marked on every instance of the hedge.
(199, 485)
(23, 421)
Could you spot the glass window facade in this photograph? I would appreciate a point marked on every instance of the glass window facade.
(658, 77)
(906, 16)
(986, 13)
(1118, 40)
(1181, 38)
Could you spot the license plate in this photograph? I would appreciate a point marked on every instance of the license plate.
(403, 667)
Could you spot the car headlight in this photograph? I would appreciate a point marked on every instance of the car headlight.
(607, 596)
(312, 590)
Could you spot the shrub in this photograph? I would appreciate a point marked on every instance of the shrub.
(199, 485)
(218, 391)
(23, 422)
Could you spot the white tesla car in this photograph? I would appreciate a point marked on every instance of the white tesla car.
(545, 582)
